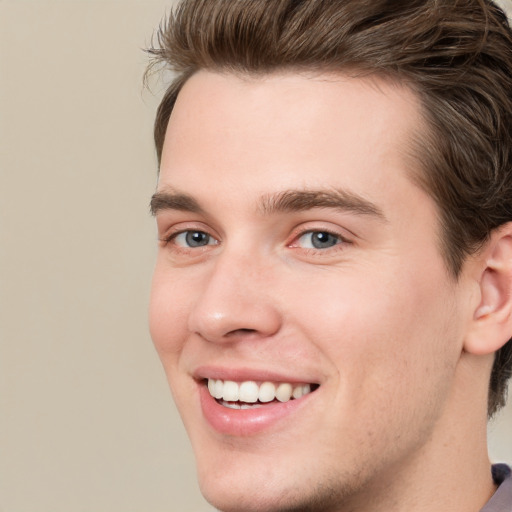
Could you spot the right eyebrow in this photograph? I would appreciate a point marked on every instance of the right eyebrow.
(301, 200)
(168, 200)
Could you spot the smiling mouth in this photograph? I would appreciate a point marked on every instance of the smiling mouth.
(250, 394)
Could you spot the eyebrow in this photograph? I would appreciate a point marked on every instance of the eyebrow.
(165, 200)
(286, 201)
(302, 200)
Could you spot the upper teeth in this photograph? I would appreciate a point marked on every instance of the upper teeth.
(250, 391)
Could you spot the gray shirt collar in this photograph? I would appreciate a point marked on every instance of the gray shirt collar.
(501, 500)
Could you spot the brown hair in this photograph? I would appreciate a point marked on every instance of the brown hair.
(455, 54)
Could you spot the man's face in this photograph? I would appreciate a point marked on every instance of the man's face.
(296, 251)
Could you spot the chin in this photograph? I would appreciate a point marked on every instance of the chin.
(242, 482)
(233, 480)
(229, 495)
(295, 497)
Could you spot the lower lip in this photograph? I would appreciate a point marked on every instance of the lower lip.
(246, 422)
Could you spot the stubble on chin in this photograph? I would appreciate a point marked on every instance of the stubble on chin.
(324, 497)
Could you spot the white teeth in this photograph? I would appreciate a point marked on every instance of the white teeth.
(297, 391)
(231, 391)
(267, 392)
(250, 406)
(284, 392)
(249, 392)
(238, 405)
(232, 405)
(218, 389)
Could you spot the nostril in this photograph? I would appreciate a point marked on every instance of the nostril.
(241, 331)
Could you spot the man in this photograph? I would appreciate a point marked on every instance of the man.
(332, 299)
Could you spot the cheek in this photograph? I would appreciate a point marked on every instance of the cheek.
(167, 314)
(391, 346)
(392, 329)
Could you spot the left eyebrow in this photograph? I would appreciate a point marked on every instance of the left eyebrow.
(303, 200)
(169, 200)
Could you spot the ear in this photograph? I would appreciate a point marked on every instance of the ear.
(491, 327)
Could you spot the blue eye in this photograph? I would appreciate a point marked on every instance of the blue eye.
(194, 239)
(318, 240)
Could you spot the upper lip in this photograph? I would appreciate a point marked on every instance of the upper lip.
(250, 374)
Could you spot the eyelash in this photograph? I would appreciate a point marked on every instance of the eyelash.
(171, 237)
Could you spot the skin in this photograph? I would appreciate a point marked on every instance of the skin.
(376, 319)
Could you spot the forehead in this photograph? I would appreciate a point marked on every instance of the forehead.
(283, 128)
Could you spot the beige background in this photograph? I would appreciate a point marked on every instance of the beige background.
(86, 420)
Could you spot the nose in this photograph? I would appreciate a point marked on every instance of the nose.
(235, 301)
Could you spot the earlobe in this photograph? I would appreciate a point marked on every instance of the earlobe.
(491, 327)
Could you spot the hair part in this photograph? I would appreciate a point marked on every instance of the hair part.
(456, 55)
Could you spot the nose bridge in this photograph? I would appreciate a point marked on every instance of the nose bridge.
(236, 299)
